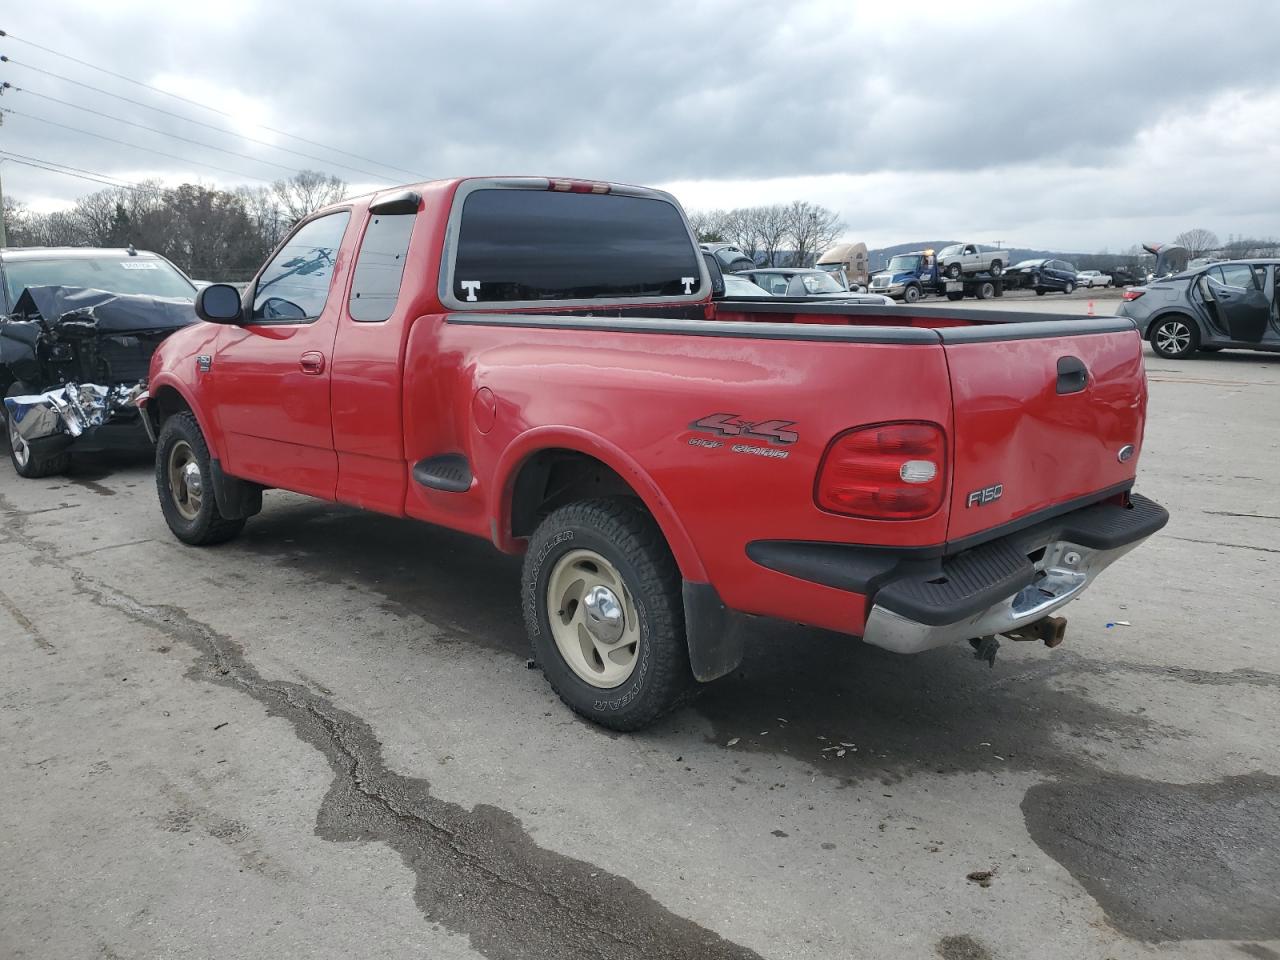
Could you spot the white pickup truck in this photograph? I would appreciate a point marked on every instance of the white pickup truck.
(971, 258)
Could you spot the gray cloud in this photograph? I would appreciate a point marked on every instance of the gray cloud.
(661, 92)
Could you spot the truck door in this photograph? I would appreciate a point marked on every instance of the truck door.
(271, 377)
(1240, 305)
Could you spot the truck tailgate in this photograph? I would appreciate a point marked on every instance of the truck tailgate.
(1046, 413)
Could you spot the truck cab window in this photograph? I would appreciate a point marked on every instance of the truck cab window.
(534, 245)
(295, 284)
(380, 266)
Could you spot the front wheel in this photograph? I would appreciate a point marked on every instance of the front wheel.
(28, 462)
(954, 271)
(605, 613)
(911, 294)
(1175, 338)
(184, 482)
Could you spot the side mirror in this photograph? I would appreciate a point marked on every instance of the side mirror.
(219, 303)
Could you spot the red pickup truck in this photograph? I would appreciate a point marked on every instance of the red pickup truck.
(552, 365)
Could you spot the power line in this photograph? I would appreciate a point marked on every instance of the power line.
(163, 133)
(135, 146)
(50, 167)
(198, 123)
(202, 106)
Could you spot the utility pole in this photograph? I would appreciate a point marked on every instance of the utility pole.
(4, 239)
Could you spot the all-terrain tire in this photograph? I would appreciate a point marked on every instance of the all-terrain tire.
(626, 536)
(206, 525)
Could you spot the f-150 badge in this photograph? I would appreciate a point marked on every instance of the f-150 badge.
(980, 498)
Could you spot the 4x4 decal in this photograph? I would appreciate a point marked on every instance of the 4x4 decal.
(728, 425)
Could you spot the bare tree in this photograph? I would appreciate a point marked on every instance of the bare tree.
(773, 225)
(709, 225)
(742, 228)
(1198, 241)
(810, 229)
(306, 192)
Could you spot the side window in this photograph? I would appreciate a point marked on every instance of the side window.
(1238, 275)
(295, 284)
(380, 267)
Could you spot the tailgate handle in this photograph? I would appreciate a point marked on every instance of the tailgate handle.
(1073, 376)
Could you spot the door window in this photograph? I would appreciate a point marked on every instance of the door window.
(375, 287)
(1236, 275)
(294, 287)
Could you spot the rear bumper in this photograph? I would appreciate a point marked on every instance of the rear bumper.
(925, 598)
(1010, 582)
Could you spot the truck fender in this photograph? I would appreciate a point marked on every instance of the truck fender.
(580, 441)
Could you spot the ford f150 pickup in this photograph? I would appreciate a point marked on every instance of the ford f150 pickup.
(546, 364)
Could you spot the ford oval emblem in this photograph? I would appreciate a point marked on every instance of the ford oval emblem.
(1126, 453)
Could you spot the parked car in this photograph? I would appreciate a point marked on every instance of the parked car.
(77, 332)
(1234, 304)
(1041, 275)
(736, 286)
(1092, 278)
(731, 257)
(670, 465)
(1127, 277)
(799, 282)
(971, 258)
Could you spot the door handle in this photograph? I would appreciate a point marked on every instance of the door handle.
(312, 363)
(1073, 375)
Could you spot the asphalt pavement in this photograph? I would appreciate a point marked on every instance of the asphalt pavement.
(323, 740)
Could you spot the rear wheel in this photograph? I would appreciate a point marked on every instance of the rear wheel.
(1175, 337)
(997, 268)
(955, 295)
(605, 613)
(911, 294)
(986, 290)
(1040, 291)
(27, 461)
(1069, 289)
(184, 482)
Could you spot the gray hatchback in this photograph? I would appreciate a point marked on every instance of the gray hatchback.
(1234, 304)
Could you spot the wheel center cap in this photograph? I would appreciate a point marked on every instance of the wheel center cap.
(603, 615)
(191, 477)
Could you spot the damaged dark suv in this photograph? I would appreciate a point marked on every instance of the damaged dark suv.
(77, 330)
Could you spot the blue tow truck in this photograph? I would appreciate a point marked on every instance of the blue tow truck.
(909, 276)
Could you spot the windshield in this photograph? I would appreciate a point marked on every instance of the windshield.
(904, 263)
(740, 287)
(949, 251)
(1027, 263)
(141, 275)
(821, 283)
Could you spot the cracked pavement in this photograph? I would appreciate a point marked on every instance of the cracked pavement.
(321, 740)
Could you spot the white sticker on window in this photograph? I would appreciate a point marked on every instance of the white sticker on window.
(140, 265)
(688, 283)
(471, 286)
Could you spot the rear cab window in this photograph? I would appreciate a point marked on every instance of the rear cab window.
(528, 247)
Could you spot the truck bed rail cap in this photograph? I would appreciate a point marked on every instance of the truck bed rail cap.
(1037, 329)
(703, 328)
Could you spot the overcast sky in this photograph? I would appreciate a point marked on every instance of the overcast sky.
(1072, 126)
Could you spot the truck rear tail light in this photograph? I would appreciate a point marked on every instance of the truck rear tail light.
(1132, 294)
(578, 186)
(888, 471)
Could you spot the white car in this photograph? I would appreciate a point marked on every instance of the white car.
(1092, 278)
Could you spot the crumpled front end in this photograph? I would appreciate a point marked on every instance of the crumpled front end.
(72, 409)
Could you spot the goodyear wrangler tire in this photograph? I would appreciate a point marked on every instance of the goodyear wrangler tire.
(605, 615)
(184, 483)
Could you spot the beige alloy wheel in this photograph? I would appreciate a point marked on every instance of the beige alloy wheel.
(186, 486)
(593, 618)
